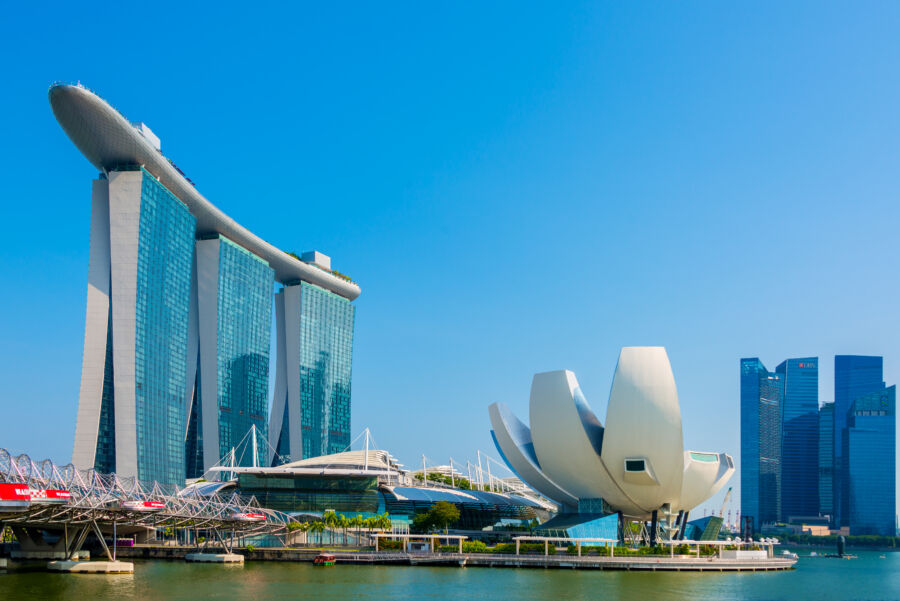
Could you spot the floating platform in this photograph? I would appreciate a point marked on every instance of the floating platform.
(643, 563)
(92, 567)
(214, 558)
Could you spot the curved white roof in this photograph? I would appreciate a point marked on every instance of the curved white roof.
(107, 140)
(636, 464)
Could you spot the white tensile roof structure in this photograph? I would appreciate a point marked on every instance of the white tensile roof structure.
(636, 463)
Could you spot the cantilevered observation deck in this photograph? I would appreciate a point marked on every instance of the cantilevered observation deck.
(109, 140)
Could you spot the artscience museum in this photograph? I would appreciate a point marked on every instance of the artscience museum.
(634, 465)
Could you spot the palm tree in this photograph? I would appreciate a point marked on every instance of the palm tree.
(356, 522)
(330, 520)
(318, 528)
(343, 522)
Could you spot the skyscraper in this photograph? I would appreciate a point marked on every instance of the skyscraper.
(871, 461)
(315, 353)
(854, 376)
(800, 437)
(131, 414)
(761, 414)
(826, 459)
(176, 353)
(234, 321)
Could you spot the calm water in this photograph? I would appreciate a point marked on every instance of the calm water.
(868, 577)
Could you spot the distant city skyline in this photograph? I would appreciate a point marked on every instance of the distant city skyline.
(517, 188)
(791, 471)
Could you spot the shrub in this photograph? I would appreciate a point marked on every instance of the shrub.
(474, 546)
(390, 545)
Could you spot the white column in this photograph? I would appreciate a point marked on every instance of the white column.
(207, 311)
(124, 227)
(93, 361)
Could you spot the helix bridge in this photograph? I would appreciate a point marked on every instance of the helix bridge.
(52, 509)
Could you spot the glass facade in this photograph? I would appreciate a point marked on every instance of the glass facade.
(800, 437)
(164, 271)
(761, 400)
(244, 336)
(105, 457)
(193, 442)
(871, 459)
(344, 494)
(854, 376)
(826, 459)
(326, 351)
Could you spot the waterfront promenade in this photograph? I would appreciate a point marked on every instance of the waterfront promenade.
(678, 563)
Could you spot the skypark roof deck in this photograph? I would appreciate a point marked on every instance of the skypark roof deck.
(108, 141)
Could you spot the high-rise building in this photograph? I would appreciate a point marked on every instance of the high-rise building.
(176, 354)
(761, 413)
(131, 405)
(854, 376)
(315, 354)
(800, 437)
(826, 459)
(871, 460)
(234, 319)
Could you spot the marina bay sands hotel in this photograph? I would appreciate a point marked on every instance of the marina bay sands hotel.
(176, 361)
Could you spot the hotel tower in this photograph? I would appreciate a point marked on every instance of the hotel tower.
(180, 302)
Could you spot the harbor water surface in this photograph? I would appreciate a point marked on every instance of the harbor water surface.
(869, 577)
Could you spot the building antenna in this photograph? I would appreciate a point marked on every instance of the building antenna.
(451, 473)
(424, 471)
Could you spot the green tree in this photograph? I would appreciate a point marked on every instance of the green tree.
(443, 514)
(331, 521)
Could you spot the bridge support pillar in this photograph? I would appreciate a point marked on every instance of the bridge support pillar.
(33, 545)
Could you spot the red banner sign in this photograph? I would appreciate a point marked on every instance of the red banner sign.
(14, 492)
(49, 495)
(249, 517)
(144, 505)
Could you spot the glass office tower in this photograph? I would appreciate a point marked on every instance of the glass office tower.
(871, 459)
(826, 459)
(234, 300)
(761, 400)
(311, 409)
(800, 437)
(854, 376)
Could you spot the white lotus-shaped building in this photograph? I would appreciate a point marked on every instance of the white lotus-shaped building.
(636, 463)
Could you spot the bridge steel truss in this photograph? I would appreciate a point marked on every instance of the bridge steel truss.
(97, 503)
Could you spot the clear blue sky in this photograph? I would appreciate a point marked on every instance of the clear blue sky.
(516, 189)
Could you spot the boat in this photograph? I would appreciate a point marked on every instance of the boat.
(324, 559)
(788, 554)
(813, 554)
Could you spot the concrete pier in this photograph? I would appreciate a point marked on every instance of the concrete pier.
(215, 558)
(92, 567)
